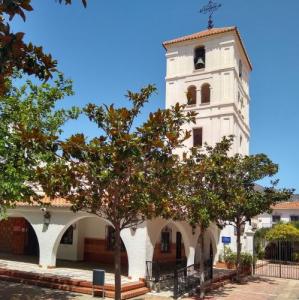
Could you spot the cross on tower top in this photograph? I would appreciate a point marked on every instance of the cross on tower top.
(210, 8)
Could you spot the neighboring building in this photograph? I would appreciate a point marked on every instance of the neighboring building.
(281, 212)
(208, 70)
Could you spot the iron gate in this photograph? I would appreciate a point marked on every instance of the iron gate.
(176, 276)
(276, 259)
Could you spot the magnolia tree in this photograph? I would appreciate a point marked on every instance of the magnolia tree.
(15, 53)
(237, 177)
(125, 173)
(198, 187)
(27, 116)
(221, 189)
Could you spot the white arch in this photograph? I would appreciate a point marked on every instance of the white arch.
(154, 228)
(210, 237)
(49, 237)
(67, 225)
(20, 214)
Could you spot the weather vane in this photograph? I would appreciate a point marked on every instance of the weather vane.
(210, 8)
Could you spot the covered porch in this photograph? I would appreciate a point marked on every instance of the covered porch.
(66, 276)
(70, 270)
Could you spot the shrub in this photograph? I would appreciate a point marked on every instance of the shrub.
(246, 259)
(230, 258)
(283, 232)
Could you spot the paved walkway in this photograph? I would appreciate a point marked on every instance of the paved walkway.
(254, 289)
(259, 289)
(70, 270)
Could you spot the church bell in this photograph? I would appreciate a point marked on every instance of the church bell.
(200, 63)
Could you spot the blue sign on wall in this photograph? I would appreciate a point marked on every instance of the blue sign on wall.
(226, 239)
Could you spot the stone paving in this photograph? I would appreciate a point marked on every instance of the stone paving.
(258, 289)
(70, 270)
(253, 289)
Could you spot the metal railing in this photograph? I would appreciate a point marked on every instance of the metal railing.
(187, 279)
(177, 276)
(157, 271)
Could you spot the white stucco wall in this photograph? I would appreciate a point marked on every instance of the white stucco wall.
(225, 115)
(246, 239)
(265, 220)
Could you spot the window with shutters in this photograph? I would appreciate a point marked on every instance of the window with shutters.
(205, 93)
(197, 137)
(199, 58)
(191, 95)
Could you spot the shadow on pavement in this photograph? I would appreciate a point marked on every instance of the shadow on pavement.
(228, 289)
(15, 291)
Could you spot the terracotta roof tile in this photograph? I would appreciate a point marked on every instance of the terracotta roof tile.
(287, 205)
(57, 202)
(206, 33)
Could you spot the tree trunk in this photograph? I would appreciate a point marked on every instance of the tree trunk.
(117, 263)
(201, 265)
(238, 264)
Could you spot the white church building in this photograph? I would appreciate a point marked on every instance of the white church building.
(210, 72)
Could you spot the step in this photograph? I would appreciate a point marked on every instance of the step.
(135, 293)
(129, 290)
(45, 284)
(67, 281)
(49, 278)
(128, 294)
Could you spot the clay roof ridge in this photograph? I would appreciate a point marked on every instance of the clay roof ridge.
(210, 32)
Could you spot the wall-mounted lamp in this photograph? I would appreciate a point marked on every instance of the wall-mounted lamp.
(134, 228)
(47, 218)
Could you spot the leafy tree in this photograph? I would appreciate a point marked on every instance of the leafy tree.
(125, 174)
(26, 112)
(238, 190)
(283, 232)
(198, 186)
(15, 53)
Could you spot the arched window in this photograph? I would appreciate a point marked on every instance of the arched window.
(191, 95)
(205, 93)
(166, 240)
(199, 58)
(67, 238)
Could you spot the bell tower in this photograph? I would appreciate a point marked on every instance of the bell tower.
(209, 71)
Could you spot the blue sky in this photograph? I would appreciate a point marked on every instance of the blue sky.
(115, 45)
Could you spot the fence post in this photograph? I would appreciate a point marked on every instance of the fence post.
(279, 254)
